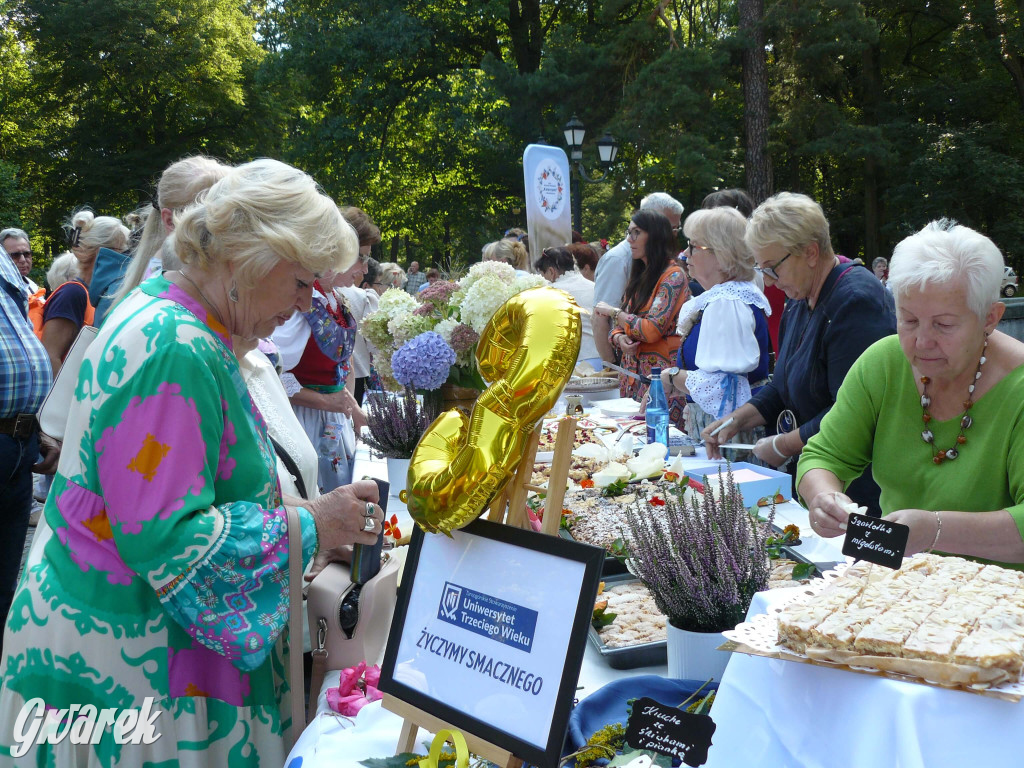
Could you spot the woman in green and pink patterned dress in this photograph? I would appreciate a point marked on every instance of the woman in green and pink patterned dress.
(164, 585)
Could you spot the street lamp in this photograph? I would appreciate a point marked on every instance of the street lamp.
(607, 151)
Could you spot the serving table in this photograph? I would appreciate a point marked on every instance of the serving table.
(334, 741)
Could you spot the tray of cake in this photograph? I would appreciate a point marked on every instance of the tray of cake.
(628, 629)
(936, 620)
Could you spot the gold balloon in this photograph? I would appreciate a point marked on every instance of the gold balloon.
(527, 352)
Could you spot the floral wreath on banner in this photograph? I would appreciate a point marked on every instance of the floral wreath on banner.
(545, 204)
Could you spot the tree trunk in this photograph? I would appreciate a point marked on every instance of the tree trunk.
(527, 34)
(755, 100)
(873, 169)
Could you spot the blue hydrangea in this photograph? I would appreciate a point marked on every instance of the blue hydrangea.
(423, 362)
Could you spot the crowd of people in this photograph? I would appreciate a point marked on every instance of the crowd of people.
(225, 386)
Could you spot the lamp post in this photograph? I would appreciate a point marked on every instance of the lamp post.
(607, 151)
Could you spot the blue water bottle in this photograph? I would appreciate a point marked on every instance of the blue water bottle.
(657, 412)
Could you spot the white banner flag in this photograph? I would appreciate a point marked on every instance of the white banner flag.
(548, 217)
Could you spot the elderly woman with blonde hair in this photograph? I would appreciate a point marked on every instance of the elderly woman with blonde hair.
(835, 311)
(392, 275)
(936, 410)
(725, 352)
(511, 252)
(165, 585)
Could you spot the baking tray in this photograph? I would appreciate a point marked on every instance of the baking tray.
(630, 656)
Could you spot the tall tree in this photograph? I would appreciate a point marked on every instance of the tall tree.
(141, 83)
(755, 99)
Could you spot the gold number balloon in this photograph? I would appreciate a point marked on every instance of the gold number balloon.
(527, 352)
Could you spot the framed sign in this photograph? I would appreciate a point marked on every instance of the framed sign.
(489, 633)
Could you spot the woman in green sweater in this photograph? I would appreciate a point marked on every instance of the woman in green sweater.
(937, 410)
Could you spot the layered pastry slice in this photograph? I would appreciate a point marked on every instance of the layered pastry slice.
(885, 634)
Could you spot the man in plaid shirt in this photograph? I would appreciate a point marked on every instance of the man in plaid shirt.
(25, 378)
(414, 278)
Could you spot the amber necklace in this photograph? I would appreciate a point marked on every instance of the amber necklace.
(966, 421)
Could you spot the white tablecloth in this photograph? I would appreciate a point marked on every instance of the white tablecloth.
(781, 714)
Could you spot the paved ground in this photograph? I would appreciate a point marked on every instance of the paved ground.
(36, 506)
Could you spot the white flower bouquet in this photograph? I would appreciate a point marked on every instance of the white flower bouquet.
(457, 313)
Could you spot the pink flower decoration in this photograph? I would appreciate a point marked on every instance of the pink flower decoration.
(535, 521)
(372, 677)
(356, 688)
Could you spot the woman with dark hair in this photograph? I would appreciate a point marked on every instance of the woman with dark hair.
(558, 267)
(644, 328)
(371, 280)
(730, 198)
(585, 257)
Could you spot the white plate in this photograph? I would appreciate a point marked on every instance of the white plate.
(622, 406)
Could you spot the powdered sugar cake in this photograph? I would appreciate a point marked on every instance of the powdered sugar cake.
(946, 619)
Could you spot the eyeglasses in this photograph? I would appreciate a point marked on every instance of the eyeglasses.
(20, 255)
(770, 271)
(633, 234)
(693, 247)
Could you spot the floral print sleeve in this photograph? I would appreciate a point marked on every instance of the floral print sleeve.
(174, 451)
(660, 319)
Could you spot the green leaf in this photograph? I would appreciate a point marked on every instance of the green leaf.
(802, 571)
(618, 550)
(602, 619)
(615, 489)
(394, 761)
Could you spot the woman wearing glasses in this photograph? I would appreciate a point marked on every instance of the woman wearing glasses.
(834, 312)
(726, 346)
(643, 329)
(316, 349)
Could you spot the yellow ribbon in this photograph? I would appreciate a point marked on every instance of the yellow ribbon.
(442, 738)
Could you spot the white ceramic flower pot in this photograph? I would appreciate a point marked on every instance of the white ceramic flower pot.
(398, 471)
(693, 655)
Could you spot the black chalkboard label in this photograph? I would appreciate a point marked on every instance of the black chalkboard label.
(876, 540)
(670, 731)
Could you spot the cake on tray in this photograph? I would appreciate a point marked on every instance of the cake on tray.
(945, 619)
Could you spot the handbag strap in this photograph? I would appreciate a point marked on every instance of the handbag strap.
(295, 678)
(319, 672)
(291, 466)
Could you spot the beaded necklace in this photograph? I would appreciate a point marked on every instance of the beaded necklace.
(966, 421)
